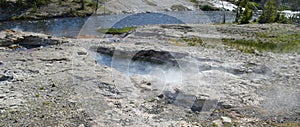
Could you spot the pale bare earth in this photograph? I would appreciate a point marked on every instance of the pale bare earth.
(59, 82)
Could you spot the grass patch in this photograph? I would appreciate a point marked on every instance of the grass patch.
(194, 41)
(194, 1)
(278, 44)
(283, 42)
(117, 31)
(288, 124)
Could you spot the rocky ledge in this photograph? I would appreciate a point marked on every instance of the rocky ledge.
(61, 82)
(15, 39)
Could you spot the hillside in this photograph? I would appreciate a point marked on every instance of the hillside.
(12, 10)
(136, 6)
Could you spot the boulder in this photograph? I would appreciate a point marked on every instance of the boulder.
(226, 119)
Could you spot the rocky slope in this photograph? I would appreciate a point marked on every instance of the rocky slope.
(52, 9)
(47, 81)
(142, 6)
(72, 8)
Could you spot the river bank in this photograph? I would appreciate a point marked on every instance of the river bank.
(72, 26)
(11, 10)
(195, 79)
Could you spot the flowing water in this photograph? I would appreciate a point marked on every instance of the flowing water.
(74, 26)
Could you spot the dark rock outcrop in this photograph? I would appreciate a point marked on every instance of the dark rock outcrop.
(12, 39)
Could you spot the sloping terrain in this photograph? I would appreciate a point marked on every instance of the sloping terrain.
(138, 6)
(11, 10)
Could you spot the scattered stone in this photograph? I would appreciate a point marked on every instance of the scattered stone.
(226, 119)
(81, 125)
(217, 123)
(2, 95)
(82, 52)
(256, 52)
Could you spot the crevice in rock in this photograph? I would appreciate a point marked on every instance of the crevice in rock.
(6, 78)
(55, 60)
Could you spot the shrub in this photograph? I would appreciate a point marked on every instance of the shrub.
(282, 19)
(208, 8)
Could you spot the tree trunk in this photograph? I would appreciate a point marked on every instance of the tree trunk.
(97, 6)
(237, 14)
(82, 4)
(224, 16)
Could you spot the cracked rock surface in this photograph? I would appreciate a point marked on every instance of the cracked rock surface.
(64, 84)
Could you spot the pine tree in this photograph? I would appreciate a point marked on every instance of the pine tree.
(247, 15)
(243, 16)
(269, 13)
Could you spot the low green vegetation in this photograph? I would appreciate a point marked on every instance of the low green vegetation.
(270, 13)
(116, 31)
(40, 9)
(280, 43)
(288, 124)
(194, 41)
(194, 1)
(21, 4)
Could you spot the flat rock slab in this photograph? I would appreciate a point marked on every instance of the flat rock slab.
(11, 39)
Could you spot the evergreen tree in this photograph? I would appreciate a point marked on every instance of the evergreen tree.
(244, 12)
(3, 3)
(19, 3)
(247, 14)
(269, 13)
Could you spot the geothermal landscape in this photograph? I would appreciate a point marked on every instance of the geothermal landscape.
(152, 77)
(149, 65)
